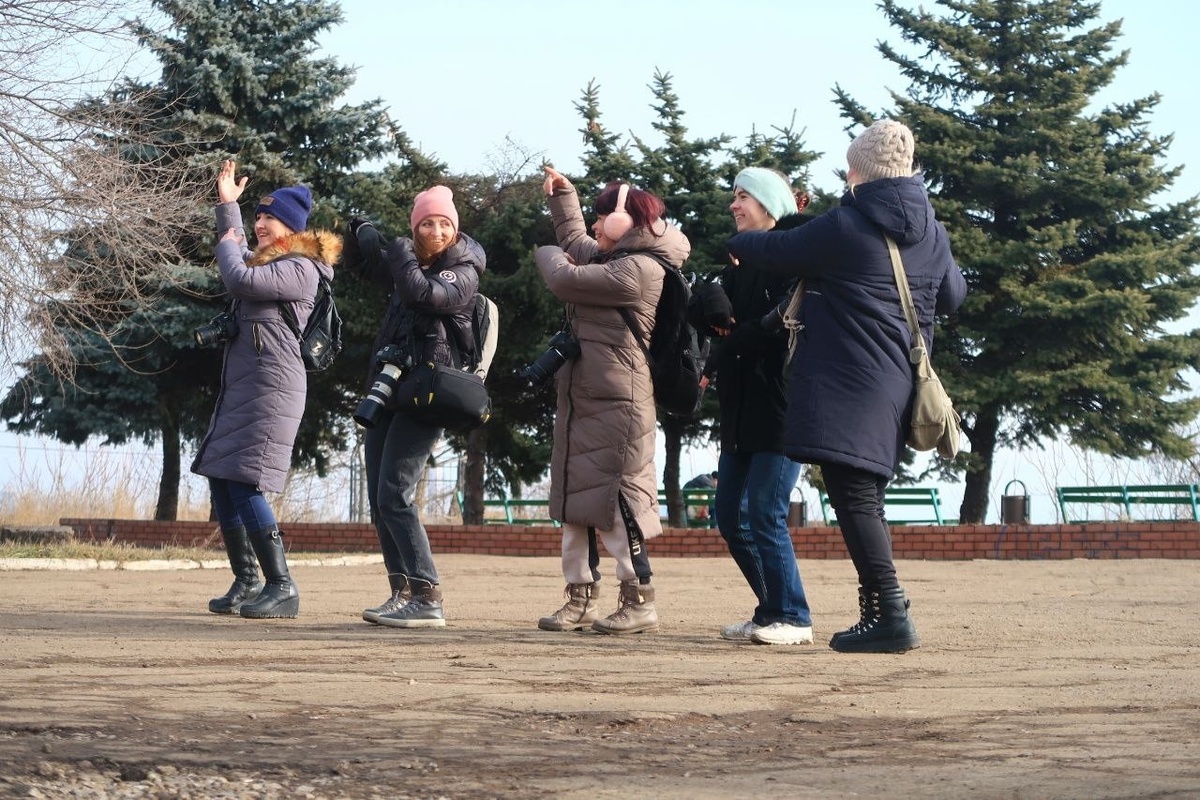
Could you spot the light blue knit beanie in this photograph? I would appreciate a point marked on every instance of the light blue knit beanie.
(769, 188)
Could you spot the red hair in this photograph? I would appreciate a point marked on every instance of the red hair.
(644, 207)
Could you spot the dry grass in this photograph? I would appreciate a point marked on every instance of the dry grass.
(44, 483)
(122, 553)
(41, 482)
(108, 551)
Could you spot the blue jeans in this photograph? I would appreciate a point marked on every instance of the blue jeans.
(396, 451)
(239, 504)
(753, 493)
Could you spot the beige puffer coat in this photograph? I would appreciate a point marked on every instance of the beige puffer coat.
(604, 431)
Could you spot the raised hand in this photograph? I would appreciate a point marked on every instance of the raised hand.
(554, 180)
(229, 188)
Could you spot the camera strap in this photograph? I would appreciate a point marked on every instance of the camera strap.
(637, 541)
(593, 554)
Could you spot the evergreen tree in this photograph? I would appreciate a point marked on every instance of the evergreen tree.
(1074, 270)
(510, 221)
(239, 80)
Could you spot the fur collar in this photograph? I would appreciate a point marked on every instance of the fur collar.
(317, 245)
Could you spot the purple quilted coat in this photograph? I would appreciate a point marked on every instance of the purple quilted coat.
(263, 381)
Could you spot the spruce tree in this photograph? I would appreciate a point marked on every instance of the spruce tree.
(1076, 268)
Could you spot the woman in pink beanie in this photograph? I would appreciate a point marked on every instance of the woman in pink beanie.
(433, 278)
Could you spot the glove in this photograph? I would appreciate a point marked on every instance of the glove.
(363, 247)
(715, 308)
(351, 254)
(743, 339)
(356, 224)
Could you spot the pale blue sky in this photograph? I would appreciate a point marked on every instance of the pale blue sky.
(516, 69)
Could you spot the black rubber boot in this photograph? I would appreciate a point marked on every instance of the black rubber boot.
(246, 584)
(885, 626)
(279, 598)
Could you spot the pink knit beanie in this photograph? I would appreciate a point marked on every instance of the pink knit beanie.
(435, 201)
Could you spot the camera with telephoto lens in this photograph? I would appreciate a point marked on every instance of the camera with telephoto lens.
(222, 328)
(562, 348)
(394, 362)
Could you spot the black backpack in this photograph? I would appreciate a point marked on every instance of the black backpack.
(677, 350)
(321, 339)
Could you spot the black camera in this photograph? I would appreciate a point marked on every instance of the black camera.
(222, 328)
(562, 348)
(393, 362)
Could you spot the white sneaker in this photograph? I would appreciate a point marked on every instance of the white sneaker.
(741, 632)
(782, 633)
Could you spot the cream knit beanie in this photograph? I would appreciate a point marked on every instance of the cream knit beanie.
(884, 150)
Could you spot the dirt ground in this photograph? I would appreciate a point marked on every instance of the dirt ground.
(1051, 679)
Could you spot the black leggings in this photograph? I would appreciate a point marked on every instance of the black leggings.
(857, 497)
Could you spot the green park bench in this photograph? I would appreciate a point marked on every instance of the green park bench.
(1126, 497)
(696, 504)
(925, 498)
(514, 511)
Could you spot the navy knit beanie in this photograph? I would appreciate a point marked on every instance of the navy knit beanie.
(290, 205)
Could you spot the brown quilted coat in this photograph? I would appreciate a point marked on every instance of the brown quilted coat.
(604, 431)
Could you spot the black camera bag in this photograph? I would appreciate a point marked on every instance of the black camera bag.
(445, 397)
(454, 396)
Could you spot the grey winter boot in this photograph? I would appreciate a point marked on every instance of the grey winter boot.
(885, 626)
(401, 593)
(579, 612)
(636, 613)
(423, 609)
(246, 584)
(279, 598)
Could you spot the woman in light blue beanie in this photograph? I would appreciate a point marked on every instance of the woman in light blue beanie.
(754, 477)
(770, 189)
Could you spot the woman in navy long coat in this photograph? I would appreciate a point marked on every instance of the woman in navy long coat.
(851, 384)
(247, 449)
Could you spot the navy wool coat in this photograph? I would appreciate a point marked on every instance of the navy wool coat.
(850, 387)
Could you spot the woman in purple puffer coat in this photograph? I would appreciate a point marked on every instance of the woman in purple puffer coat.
(248, 447)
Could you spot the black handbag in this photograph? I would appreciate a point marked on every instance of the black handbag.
(445, 397)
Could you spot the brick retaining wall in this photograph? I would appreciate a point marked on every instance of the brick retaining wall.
(930, 542)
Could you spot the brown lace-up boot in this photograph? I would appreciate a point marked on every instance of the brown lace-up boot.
(636, 613)
(579, 612)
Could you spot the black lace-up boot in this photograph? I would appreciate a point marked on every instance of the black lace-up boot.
(884, 627)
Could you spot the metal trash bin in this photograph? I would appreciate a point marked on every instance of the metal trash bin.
(797, 514)
(1014, 508)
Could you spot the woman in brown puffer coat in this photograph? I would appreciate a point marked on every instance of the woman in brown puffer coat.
(602, 474)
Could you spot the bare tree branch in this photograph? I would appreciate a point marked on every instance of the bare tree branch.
(94, 205)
